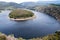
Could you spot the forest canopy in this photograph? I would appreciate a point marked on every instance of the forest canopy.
(19, 13)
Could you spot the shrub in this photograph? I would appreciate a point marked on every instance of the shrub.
(2, 37)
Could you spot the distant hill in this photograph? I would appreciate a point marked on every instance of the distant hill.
(55, 4)
(28, 5)
(31, 5)
(16, 5)
(4, 5)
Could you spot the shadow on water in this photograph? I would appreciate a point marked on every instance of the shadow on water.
(21, 20)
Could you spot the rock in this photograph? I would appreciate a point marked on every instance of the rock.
(11, 38)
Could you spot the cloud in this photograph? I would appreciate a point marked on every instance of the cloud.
(19, 1)
(48, 0)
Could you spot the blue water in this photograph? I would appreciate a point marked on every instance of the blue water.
(40, 26)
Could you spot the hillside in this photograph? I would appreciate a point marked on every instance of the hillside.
(52, 10)
(28, 5)
(8, 5)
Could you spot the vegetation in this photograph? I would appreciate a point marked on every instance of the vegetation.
(19, 13)
(21, 39)
(55, 36)
(2, 37)
(56, 4)
(52, 10)
(0, 10)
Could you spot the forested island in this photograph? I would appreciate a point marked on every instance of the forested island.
(20, 14)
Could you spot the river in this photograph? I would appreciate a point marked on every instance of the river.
(40, 26)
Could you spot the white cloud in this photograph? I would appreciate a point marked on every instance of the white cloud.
(19, 1)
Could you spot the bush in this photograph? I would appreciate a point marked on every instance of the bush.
(2, 37)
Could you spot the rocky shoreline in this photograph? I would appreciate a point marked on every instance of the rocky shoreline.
(5, 37)
(55, 36)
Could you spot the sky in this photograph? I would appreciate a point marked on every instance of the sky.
(20, 1)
